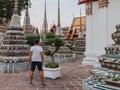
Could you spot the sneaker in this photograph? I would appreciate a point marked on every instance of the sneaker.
(43, 85)
(30, 84)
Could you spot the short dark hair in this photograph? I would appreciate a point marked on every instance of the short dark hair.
(36, 41)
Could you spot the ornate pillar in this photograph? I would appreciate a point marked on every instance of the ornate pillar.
(99, 27)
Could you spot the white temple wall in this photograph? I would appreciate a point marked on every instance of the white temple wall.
(99, 27)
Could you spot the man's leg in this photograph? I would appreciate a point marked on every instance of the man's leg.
(41, 73)
(33, 64)
(31, 76)
(41, 76)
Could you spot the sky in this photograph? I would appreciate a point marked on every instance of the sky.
(69, 9)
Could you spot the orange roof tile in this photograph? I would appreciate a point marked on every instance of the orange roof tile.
(76, 23)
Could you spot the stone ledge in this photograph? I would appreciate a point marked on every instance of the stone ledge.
(13, 67)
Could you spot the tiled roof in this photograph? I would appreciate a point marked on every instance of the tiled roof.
(76, 23)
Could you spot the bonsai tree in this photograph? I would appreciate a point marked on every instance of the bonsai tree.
(53, 41)
(70, 45)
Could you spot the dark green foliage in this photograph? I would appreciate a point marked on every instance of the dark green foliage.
(1, 21)
(70, 45)
(49, 41)
(7, 7)
(52, 65)
(58, 42)
(31, 38)
(50, 35)
(47, 52)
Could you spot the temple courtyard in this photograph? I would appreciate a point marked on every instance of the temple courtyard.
(72, 75)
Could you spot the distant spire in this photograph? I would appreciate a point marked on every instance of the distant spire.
(27, 17)
(59, 14)
(58, 30)
(27, 27)
(15, 6)
(27, 12)
(15, 20)
(45, 17)
(80, 21)
(80, 32)
(45, 24)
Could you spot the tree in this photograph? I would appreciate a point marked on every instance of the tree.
(53, 41)
(31, 38)
(7, 7)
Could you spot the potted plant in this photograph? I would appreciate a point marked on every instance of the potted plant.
(52, 69)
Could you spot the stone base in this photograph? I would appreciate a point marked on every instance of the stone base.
(61, 58)
(13, 67)
(91, 61)
(78, 56)
(91, 85)
(91, 58)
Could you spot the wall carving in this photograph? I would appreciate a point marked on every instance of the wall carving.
(89, 9)
(103, 3)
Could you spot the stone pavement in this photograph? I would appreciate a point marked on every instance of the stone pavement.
(72, 74)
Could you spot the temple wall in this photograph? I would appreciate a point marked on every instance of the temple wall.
(99, 27)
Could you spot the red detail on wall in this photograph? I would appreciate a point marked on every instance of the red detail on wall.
(85, 1)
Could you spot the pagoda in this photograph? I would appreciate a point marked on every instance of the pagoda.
(44, 25)
(14, 50)
(81, 40)
(59, 32)
(101, 17)
(27, 27)
(107, 77)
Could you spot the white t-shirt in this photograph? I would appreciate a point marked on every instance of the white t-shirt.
(36, 50)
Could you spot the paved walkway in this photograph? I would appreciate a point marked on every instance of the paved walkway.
(72, 74)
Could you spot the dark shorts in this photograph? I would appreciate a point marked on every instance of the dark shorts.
(34, 64)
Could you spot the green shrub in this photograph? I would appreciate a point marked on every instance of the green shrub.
(47, 52)
(31, 38)
(70, 45)
(51, 65)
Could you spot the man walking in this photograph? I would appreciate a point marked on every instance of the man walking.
(36, 58)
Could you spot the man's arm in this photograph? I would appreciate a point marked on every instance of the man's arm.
(30, 56)
(42, 56)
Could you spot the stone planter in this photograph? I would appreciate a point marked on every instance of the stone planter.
(52, 73)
